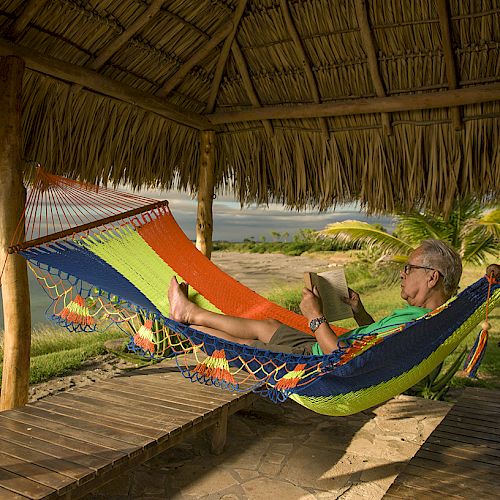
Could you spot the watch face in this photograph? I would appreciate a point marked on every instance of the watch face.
(314, 324)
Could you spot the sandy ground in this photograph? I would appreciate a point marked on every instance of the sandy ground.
(263, 272)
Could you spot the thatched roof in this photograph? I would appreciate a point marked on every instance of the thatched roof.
(314, 102)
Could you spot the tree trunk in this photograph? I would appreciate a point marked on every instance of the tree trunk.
(15, 291)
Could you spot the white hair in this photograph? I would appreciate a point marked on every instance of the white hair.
(443, 258)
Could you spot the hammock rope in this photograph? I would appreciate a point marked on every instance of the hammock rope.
(117, 273)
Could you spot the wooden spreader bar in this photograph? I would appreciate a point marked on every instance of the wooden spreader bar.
(86, 227)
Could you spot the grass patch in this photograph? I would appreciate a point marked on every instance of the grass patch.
(56, 352)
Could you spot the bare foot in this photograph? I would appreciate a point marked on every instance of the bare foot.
(181, 309)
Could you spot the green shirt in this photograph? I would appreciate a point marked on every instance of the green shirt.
(397, 318)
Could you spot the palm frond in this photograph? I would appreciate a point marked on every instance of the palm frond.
(357, 232)
(478, 245)
(415, 227)
(491, 222)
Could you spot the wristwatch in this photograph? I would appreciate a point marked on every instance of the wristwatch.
(316, 322)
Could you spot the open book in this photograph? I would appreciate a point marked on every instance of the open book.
(332, 286)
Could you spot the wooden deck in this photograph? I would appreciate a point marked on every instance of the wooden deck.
(461, 458)
(74, 442)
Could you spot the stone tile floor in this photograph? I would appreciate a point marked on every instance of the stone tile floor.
(288, 452)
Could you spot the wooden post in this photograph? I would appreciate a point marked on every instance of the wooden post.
(15, 291)
(204, 221)
(219, 433)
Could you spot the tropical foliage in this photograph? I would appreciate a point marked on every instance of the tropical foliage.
(473, 229)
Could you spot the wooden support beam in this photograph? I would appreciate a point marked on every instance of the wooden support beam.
(107, 86)
(206, 183)
(248, 85)
(31, 9)
(392, 104)
(199, 55)
(15, 288)
(301, 52)
(449, 58)
(224, 54)
(371, 56)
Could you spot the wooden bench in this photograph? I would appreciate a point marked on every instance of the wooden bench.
(71, 443)
(461, 457)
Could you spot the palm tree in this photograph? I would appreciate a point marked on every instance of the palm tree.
(473, 229)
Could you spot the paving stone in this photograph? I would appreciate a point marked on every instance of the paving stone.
(274, 458)
(246, 475)
(265, 488)
(316, 468)
(199, 483)
(283, 448)
(268, 469)
(359, 491)
(147, 483)
(289, 452)
(247, 456)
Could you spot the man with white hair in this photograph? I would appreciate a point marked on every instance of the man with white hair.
(428, 280)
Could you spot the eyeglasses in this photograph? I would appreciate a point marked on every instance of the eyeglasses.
(408, 267)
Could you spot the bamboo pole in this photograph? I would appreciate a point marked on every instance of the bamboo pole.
(241, 64)
(30, 9)
(224, 54)
(449, 57)
(371, 56)
(15, 291)
(204, 220)
(197, 57)
(303, 56)
(109, 50)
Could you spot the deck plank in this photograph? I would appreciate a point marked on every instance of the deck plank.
(71, 443)
(10, 495)
(24, 486)
(461, 457)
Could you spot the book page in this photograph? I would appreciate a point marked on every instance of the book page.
(332, 286)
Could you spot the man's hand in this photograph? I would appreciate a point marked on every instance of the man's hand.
(360, 315)
(354, 301)
(311, 306)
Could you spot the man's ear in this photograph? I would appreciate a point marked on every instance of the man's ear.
(433, 278)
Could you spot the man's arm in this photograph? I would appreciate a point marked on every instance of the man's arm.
(311, 307)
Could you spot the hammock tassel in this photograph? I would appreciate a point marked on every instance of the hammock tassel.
(145, 338)
(215, 367)
(291, 379)
(77, 312)
(476, 354)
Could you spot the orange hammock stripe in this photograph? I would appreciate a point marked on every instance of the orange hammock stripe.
(168, 240)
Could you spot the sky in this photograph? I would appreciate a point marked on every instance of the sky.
(233, 223)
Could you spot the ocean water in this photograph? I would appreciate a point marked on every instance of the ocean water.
(39, 299)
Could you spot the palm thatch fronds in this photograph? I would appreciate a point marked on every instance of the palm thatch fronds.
(289, 54)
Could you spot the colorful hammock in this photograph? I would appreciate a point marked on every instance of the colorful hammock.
(117, 270)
